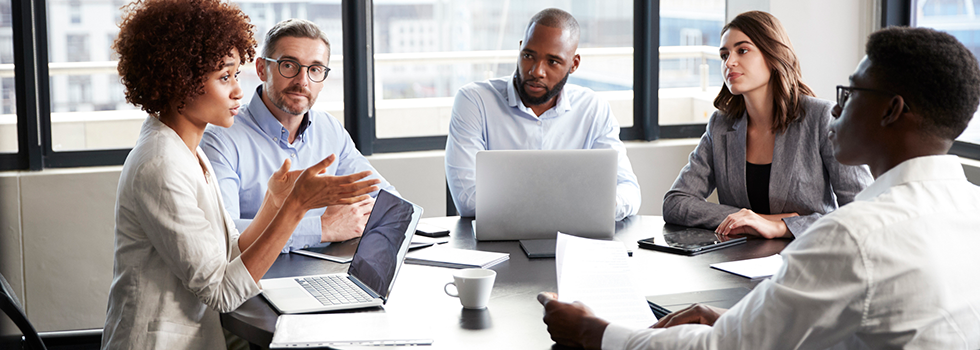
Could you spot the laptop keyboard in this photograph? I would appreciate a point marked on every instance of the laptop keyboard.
(334, 290)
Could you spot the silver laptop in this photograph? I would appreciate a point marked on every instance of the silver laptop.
(369, 280)
(534, 194)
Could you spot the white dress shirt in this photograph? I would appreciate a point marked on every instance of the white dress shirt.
(246, 154)
(896, 268)
(177, 262)
(489, 115)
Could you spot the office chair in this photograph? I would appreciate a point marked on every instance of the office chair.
(450, 206)
(11, 307)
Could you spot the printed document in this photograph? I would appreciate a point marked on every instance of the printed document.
(752, 268)
(597, 273)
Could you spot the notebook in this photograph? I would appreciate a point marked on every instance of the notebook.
(456, 258)
(369, 280)
(343, 252)
(531, 194)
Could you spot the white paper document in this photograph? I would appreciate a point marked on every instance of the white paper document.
(752, 268)
(597, 273)
(346, 329)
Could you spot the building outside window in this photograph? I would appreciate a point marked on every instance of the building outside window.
(960, 18)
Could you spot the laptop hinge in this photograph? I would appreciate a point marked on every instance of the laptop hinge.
(367, 289)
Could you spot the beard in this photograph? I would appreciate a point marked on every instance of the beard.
(278, 99)
(549, 93)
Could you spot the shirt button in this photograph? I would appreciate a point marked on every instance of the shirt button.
(539, 122)
(275, 139)
(306, 246)
(293, 155)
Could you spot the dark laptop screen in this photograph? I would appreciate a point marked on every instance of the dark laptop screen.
(385, 241)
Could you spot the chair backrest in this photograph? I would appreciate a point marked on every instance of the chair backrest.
(11, 307)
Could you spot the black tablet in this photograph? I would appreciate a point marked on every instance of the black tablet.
(688, 240)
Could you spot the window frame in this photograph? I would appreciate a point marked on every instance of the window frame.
(899, 13)
(34, 103)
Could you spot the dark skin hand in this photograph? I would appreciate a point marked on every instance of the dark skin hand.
(694, 314)
(575, 325)
(572, 324)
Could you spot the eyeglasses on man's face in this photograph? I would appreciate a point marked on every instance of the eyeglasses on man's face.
(291, 68)
(844, 92)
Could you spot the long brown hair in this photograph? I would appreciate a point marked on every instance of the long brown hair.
(785, 79)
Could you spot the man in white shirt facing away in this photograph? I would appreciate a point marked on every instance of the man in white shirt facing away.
(534, 110)
(895, 269)
(278, 123)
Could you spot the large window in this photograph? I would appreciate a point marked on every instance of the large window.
(8, 110)
(88, 105)
(961, 18)
(406, 60)
(426, 50)
(690, 68)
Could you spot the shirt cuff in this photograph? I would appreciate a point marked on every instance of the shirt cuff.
(615, 337)
(308, 233)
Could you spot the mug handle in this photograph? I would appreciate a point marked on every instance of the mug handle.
(446, 289)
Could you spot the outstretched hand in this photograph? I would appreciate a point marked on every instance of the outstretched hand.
(572, 324)
(281, 182)
(313, 190)
(694, 314)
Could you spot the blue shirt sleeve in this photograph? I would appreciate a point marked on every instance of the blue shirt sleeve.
(464, 140)
(627, 188)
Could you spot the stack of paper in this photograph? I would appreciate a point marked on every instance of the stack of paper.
(455, 258)
(752, 268)
(346, 329)
(597, 273)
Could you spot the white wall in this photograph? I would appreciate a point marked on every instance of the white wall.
(828, 36)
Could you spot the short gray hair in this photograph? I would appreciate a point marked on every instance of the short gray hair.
(294, 28)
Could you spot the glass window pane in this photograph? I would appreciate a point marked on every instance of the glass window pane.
(690, 69)
(88, 103)
(8, 110)
(961, 18)
(426, 51)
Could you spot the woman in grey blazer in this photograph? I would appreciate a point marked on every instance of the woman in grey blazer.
(765, 149)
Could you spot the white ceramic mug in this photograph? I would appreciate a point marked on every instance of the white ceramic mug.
(473, 287)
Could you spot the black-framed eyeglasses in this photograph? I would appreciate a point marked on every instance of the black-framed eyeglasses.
(290, 68)
(844, 92)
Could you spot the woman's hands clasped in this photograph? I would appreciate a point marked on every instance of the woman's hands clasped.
(747, 222)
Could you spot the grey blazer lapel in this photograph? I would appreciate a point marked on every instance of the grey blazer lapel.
(735, 145)
(780, 173)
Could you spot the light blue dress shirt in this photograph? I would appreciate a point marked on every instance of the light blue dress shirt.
(245, 155)
(489, 115)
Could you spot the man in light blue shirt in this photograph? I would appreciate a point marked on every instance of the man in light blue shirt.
(277, 124)
(534, 110)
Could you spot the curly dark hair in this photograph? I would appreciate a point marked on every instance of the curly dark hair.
(167, 48)
(938, 77)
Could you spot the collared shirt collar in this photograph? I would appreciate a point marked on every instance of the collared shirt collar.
(945, 167)
(271, 126)
(514, 100)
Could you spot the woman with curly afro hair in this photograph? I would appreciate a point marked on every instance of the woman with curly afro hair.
(179, 261)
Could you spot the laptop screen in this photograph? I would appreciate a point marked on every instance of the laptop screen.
(385, 242)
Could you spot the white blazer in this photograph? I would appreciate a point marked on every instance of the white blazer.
(176, 263)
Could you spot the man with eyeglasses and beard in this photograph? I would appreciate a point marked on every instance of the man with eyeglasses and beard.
(278, 124)
(534, 110)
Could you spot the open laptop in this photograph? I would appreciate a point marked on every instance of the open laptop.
(369, 280)
(531, 194)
